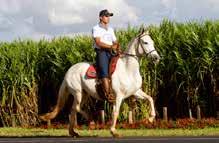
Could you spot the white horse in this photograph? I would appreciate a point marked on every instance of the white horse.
(126, 81)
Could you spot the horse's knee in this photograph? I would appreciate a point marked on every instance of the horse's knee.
(149, 98)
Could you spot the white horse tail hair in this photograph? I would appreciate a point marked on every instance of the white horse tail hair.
(62, 97)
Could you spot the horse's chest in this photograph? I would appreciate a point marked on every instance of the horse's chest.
(132, 83)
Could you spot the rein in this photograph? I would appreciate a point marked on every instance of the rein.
(136, 56)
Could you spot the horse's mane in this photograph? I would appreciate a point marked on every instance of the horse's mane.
(133, 39)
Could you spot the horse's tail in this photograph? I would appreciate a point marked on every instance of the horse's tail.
(62, 97)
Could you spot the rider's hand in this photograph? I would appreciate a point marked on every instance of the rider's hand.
(119, 51)
(114, 46)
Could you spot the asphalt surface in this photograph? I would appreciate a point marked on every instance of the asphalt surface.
(111, 140)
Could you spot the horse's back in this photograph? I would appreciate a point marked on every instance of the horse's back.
(79, 67)
(75, 74)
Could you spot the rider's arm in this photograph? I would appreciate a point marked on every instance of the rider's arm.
(101, 44)
(115, 43)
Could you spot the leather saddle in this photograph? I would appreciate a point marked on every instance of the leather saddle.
(92, 70)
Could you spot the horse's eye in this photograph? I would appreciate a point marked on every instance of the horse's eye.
(145, 43)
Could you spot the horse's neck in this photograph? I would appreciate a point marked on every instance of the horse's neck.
(131, 62)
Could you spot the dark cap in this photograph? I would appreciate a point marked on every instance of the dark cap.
(105, 12)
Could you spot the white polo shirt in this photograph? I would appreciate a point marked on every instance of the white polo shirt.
(106, 36)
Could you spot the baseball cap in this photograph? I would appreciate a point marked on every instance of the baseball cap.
(105, 12)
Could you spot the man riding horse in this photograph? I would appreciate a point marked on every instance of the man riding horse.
(126, 79)
(104, 42)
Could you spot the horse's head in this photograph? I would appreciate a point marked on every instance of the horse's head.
(145, 46)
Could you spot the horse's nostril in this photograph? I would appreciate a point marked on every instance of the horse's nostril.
(155, 58)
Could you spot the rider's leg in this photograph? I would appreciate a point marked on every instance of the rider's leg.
(102, 60)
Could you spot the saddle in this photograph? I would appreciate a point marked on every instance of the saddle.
(92, 70)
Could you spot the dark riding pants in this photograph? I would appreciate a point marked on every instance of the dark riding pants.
(103, 57)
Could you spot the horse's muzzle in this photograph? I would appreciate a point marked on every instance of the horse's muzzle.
(156, 59)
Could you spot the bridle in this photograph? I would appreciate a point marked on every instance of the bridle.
(139, 43)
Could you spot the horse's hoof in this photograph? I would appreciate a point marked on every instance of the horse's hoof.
(74, 134)
(115, 135)
(92, 125)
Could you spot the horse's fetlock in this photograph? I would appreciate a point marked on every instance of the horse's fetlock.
(113, 129)
(78, 108)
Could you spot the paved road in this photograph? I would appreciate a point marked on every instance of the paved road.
(112, 140)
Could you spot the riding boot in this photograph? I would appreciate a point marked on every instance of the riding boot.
(108, 94)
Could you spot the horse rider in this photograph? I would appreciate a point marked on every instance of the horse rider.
(104, 42)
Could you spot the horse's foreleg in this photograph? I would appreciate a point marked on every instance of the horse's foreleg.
(142, 95)
(116, 108)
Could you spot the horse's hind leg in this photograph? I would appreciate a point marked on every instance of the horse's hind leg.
(76, 107)
(72, 116)
(72, 120)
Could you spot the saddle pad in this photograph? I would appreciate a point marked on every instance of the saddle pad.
(91, 72)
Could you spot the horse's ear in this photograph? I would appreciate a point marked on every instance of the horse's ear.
(147, 32)
(141, 30)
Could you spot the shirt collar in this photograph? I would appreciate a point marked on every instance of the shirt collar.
(101, 25)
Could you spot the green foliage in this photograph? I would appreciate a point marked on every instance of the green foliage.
(189, 54)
